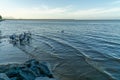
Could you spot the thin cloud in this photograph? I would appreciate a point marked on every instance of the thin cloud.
(41, 12)
(116, 2)
(96, 13)
(45, 12)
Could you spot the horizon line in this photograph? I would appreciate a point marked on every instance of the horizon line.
(61, 19)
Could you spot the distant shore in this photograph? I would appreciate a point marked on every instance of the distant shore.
(68, 19)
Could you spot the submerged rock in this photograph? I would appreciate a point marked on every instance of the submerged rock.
(30, 70)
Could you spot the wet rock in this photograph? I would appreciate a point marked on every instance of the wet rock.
(30, 70)
(3, 76)
(27, 75)
(2, 79)
(14, 78)
(32, 65)
(45, 70)
(12, 72)
(44, 78)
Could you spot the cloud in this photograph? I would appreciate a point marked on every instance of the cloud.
(98, 13)
(42, 12)
(45, 12)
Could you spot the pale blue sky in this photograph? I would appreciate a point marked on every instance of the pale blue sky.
(60, 9)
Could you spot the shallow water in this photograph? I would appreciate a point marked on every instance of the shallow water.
(86, 50)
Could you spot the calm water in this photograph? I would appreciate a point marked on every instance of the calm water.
(87, 50)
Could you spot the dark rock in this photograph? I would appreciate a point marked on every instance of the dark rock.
(12, 72)
(2, 79)
(27, 71)
(3, 76)
(35, 70)
(44, 78)
(27, 75)
(45, 70)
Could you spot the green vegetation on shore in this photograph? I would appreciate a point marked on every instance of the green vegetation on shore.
(0, 17)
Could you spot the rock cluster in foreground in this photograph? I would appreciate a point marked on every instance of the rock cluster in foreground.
(30, 70)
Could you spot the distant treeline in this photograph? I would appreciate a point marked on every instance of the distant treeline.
(0, 17)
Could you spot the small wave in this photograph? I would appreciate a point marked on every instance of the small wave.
(46, 43)
(60, 43)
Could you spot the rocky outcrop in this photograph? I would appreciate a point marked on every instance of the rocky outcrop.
(30, 70)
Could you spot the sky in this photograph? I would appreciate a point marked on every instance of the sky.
(60, 9)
